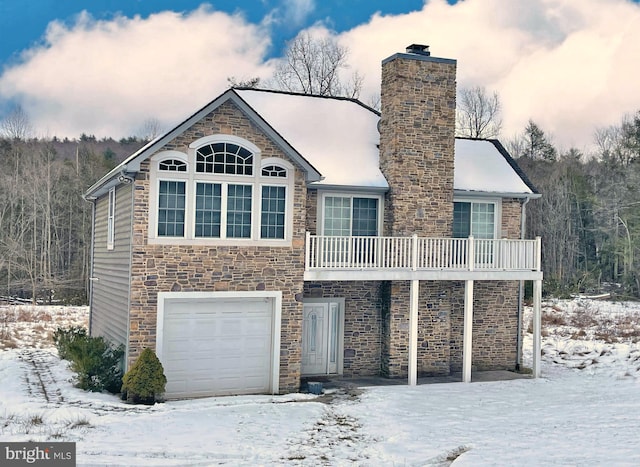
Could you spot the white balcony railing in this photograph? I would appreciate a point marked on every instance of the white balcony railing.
(421, 253)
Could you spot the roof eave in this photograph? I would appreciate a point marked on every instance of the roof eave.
(131, 165)
(495, 194)
(348, 188)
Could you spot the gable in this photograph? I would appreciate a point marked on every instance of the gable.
(338, 136)
(131, 165)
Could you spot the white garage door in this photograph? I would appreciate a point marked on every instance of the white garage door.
(217, 346)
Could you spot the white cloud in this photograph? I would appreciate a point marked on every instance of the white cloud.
(107, 77)
(297, 11)
(570, 65)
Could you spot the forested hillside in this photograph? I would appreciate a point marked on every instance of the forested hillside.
(45, 224)
(589, 213)
(588, 216)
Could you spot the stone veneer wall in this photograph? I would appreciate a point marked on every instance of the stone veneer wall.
(157, 268)
(433, 329)
(495, 325)
(362, 322)
(511, 215)
(312, 211)
(417, 129)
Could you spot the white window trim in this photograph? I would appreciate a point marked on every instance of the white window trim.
(191, 178)
(497, 202)
(349, 194)
(276, 326)
(111, 219)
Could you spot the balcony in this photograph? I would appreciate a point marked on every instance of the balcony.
(421, 258)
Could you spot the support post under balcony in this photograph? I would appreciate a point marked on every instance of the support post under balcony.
(537, 325)
(413, 332)
(467, 330)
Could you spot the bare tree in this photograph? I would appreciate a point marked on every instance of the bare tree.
(253, 82)
(16, 125)
(478, 113)
(314, 66)
(151, 128)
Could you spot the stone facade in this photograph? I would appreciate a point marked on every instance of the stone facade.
(417, 158)
(417, 128)
(362, 322)
(163, 268)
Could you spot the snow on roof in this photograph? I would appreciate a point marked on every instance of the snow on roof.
(481, 167)
(339, 137)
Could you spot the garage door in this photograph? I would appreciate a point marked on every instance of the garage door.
(217, 346)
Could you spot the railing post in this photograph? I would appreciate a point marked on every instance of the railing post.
(471, 253)
(538, 253)
(414, 252)
(307, 250)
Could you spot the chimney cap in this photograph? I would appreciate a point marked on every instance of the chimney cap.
(419, 49)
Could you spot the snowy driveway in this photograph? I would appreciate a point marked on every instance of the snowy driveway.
(585, 411)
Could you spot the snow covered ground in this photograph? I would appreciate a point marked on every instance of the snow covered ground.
(584, 411)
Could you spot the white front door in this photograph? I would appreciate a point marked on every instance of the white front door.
(321, 332)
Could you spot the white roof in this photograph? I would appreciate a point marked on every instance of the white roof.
(339, 137)
(481, 167)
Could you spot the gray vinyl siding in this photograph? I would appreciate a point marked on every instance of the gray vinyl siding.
(111, 269)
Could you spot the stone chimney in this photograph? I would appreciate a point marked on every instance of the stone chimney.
(417, 131)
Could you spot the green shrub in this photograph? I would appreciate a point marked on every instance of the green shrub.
(66, 339)
(94, 359)
(145, 381)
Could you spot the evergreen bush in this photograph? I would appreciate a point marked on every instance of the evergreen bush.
(96, 362)
(145, 381)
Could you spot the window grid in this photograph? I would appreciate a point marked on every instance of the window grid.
(208, 210)
(172, 165)
(273, 212)
(365, 217)
(477, 219)
(224, 158)
(337, 216)
(274, 171)
(461, 220)
(239, 211)
(171, 208)
(345, 216)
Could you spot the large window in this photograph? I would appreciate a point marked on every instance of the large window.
(171, 207)
(350, 216)
(220, 191)
(474, 219)
(273, 209)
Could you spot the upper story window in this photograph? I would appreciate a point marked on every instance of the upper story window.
(351, 215)
(172, 165)
(274, 171)
(477, 219)
(224, 158)
(220, 192)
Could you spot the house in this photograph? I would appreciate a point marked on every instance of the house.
(272, 236)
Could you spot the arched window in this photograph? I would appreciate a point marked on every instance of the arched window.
(224, 158)
(172, 165)
(221, 192)
(274, 171)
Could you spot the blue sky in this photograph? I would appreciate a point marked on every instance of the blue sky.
(105, 67)
(23, 22)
